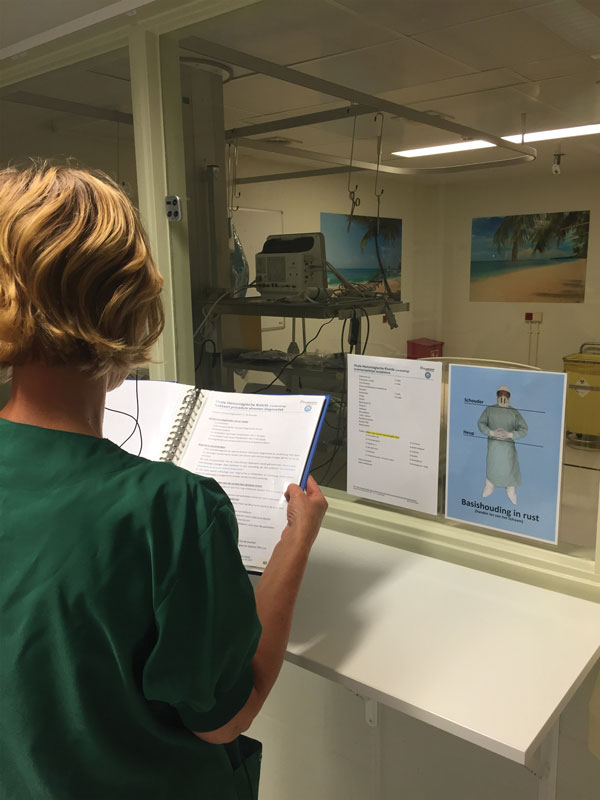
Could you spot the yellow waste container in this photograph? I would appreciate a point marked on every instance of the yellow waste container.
(583, 397)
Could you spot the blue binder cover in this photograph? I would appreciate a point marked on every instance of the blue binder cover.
(315, 441)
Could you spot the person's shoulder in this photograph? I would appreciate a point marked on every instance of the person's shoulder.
(172, 484)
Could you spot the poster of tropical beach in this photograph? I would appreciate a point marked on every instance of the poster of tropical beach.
(352, 247)
(530, 258)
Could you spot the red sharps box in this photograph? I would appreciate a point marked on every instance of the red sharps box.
(424, 348)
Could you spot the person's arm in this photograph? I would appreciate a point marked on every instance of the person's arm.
(483, 424)
(276, 595)
(521, 427)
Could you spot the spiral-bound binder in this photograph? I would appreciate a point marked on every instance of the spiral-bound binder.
(180, 432)
(254, 446)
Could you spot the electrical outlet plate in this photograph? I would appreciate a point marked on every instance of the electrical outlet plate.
(173, 208)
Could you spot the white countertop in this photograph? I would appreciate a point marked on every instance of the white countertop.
(490, 660)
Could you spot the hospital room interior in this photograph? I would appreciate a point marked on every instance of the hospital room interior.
(436, 164)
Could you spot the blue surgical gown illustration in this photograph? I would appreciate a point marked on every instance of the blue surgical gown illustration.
(503, 426)
(505, 433)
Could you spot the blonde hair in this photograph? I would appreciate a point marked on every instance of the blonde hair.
(78, 285)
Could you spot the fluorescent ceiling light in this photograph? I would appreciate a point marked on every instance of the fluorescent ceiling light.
(559, 133)
(478, 144)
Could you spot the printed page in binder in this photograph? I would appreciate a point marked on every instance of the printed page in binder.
(255, 446)
(160, 403)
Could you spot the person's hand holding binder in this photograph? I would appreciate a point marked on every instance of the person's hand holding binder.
(305, 512)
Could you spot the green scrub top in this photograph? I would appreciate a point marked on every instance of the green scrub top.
(502, 462)
(127, 620)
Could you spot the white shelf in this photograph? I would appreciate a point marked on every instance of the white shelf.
(490, 660)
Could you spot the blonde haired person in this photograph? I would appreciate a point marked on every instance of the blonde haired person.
(131, 639)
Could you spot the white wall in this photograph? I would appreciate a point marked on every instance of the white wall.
(498, 330)
(436, 257)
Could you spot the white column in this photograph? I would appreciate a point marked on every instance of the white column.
(173, 353)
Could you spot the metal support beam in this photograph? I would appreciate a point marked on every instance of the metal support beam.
(246, 61)
(286, 176)
(68, 107)
(347, 112)
(312, 155)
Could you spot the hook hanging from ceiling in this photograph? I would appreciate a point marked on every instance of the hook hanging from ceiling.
(232, 163)
(352, 193)
(523, 127)
(378, 195)
(379, 145)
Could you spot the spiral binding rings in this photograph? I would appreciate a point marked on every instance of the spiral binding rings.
(179, 433)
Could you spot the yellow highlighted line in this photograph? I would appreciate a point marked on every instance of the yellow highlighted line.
(387, 435)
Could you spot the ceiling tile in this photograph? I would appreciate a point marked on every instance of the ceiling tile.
(454, 87)
(385, 67)
(593, 5)
(278, 115)
(260, 94)
(80, 86)
(234, 117)
(417, 16)
(501, 41)
(496, 111)
(291, 31)
(19, 20)
(577, 101)
(557, 67)
(572, 22)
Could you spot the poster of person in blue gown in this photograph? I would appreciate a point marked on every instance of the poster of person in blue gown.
(505, 435)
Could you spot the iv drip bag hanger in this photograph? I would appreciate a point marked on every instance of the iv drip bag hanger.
(233, 193)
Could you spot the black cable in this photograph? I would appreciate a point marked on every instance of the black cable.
(125, 414)
(327, 461)
(137, 426)
(137, 413)
(381, 267)
(217, 301)
(291, 361)
(341, 429)
(364, 311)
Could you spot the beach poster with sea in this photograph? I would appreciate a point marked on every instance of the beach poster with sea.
(356, 245)
(530, 258)
(504, 455)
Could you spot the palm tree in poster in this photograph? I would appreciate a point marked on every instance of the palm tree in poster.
(542, 230)
(389, 229)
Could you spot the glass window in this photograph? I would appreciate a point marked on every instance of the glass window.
(81, 113)
(494, 266)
